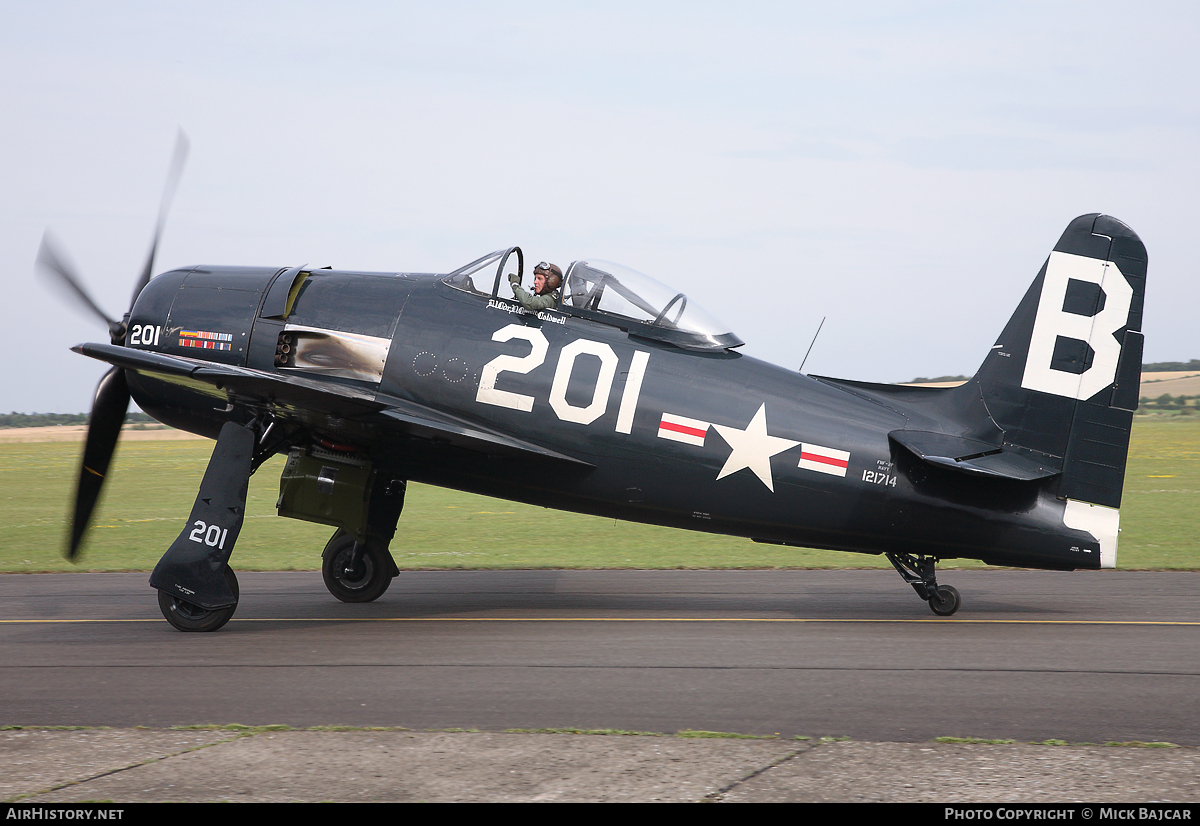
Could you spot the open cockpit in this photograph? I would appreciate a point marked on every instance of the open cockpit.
(610, 294)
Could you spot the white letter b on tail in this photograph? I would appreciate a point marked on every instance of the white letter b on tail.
(1053, 322)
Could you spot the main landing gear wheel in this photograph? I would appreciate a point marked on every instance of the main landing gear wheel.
(354, 572)
(187, 616)
(944, 600)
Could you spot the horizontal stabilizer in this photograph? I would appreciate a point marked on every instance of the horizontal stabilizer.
(973, 456)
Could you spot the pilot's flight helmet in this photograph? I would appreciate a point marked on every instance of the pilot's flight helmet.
(552, 272)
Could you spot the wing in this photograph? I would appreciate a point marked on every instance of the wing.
(284, 393)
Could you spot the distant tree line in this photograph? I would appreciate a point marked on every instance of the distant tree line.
(15, 419)
(1171, 366)
(1153, 367)
(1184, 404)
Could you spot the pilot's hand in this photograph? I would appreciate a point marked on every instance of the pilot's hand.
(514, 278)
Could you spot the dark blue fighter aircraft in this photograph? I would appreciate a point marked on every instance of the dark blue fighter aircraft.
(624, 400)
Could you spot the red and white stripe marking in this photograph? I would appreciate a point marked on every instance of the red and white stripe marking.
(824, 459)
(683, 429)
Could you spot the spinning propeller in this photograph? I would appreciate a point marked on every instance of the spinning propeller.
(112, 394)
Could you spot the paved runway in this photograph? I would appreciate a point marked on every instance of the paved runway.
(1083, 657)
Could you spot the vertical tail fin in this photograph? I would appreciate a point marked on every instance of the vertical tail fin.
(1062, 381)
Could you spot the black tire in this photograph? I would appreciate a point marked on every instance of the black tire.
(366, 580)
(187, 616)
(945, 600)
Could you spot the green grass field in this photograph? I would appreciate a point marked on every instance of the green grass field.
(152, 486)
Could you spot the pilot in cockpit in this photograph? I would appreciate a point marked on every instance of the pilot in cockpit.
(547, 278)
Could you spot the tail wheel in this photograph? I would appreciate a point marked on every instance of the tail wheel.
(187, 616)
(944, 600)
(355, 574)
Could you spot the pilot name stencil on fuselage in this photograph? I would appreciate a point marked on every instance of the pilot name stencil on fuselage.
(495, 304)
(508, 308)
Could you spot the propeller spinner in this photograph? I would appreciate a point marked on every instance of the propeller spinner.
(112, 394)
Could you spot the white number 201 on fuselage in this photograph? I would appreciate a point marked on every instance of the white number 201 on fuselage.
(488, 393)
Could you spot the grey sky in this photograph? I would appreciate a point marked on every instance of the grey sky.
(902, 168)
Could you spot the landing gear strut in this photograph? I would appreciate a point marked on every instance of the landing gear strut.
(197, 590)
(918, 571)
(337, 485)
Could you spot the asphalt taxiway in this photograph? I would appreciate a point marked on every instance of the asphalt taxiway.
(1032, 657)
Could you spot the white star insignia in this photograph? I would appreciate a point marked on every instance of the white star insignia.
(752, 448)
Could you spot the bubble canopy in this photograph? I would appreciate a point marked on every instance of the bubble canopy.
(623, 297)
(659, 311)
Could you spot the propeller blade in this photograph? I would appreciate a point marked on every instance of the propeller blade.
(108, 414)
(54, 267)
(173, 176)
